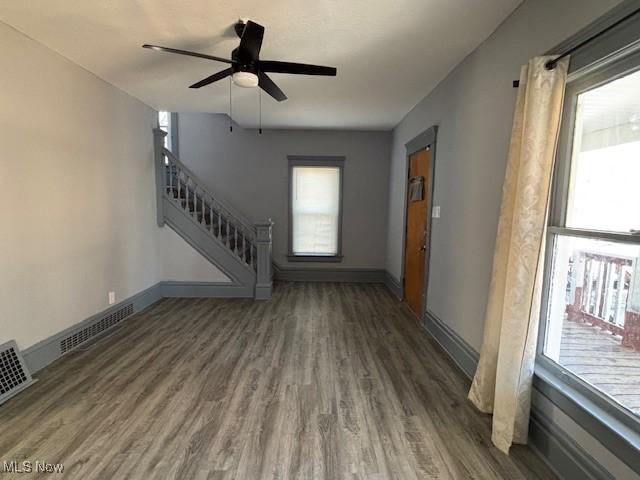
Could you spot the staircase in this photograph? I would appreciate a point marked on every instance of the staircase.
(240, 249)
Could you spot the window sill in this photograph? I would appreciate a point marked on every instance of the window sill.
(597, 421)
(315, 258)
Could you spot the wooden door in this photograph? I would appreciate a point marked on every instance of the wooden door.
(416, 243)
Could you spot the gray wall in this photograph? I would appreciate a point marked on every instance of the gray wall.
(249, 171)
(473, 107)
(77, 203)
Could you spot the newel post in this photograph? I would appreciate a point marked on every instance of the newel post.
(264, 277)
(158, 143)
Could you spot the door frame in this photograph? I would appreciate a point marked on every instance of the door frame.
(426, 139)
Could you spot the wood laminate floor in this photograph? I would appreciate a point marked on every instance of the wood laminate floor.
(325, 381)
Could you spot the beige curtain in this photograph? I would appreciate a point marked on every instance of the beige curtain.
(502, 383)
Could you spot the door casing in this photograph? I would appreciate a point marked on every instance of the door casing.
(426, 139)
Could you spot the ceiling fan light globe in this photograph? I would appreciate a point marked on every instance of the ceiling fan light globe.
(245, 79)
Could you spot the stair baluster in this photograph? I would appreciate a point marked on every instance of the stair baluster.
(235, 239)
(194, 212)
(179, 187)
(195, 201)
(187, 195)
(211, 225)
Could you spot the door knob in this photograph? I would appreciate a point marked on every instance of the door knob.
(423, 248)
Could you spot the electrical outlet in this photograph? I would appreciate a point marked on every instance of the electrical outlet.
(112, 298)
(435, 213)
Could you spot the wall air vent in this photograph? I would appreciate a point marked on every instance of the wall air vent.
(101, 325)
(14, 375)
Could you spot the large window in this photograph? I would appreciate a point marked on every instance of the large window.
(315, 204)
(168, 122)
(591, 316)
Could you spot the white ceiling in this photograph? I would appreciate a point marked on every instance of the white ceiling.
(389, 53)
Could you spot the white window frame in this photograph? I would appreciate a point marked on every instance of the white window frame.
(172, 134)
(600, 62)
(318, 162)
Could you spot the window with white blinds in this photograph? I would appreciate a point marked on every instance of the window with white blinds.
(315, 210)
(164, 122)
(168, 122)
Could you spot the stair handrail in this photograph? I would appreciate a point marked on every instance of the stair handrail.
(233, 213)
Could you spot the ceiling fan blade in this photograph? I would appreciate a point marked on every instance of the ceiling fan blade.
(296, 68)
(265, 83)
(185, 52)
(251, 41)
(212, 78)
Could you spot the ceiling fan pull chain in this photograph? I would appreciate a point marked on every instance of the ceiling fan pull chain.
(230, 112)
(260, 111)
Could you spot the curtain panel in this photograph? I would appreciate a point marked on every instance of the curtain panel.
(502, 383)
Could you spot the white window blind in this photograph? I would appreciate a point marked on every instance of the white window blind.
(315, 206)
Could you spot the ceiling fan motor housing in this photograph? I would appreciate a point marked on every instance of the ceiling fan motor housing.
(243, 64)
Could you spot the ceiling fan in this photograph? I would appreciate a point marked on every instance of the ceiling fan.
(247, 70)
